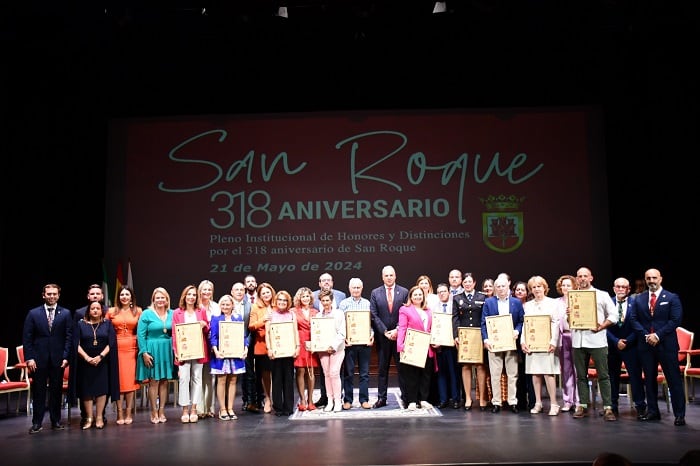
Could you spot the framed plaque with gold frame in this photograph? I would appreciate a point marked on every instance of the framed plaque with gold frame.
(231, 338)
(415, 349)
(537, 330)
(190, 341)
(583, 309)
(322, 333)
(499, 330)
(357, 327)
(282, 339)
(441, 330)
(471, 346)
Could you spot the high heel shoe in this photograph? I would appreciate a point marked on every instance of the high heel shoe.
(537, 409)
(268, 406)
(468, 405)
(329, 407)
(554, 410)
(88, 423)
(99, 423)
(120, 416)
(154, 418)
(301, 407)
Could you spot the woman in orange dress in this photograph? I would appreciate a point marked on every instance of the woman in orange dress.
(306, 361)
(260, 313)
(125, 317)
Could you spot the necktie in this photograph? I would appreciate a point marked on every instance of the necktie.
(652, 304)
(50, 317)
(619, 314)
(389, 298)
(444, 308)
(469, 297)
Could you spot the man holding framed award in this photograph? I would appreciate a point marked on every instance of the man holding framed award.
(359, 324)
(500, 334)
(592, 342)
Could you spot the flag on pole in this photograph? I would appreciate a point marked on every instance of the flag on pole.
(120, 282)
(105, 289)
(129, 279)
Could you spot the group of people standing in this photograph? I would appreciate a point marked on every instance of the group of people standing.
(111, 352)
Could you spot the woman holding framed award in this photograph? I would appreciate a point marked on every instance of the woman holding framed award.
(569, 390)
(539, 341)
(191, 351)
(415, 316)
(282, 340)
(332, 358)
(306, 361)
(227, 338)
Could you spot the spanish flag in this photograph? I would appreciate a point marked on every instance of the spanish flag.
(118, 285)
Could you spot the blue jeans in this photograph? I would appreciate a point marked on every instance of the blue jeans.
(359, 354)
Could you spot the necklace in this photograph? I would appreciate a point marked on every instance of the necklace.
(163, 318)
(94, 332)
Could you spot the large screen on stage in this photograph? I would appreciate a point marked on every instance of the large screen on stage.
(287, 197)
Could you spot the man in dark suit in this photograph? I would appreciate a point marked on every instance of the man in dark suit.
(655, 314)
(385, 320)
(501, 303)
(622, 348)
(47, 345)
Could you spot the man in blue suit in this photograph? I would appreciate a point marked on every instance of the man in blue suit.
(622, 348)
(385, 320)
(655, 314)
(501, 303)
(47, 345)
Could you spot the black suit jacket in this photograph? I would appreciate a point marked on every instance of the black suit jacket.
(48, 348)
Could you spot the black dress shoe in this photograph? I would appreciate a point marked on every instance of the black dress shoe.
(514, 409)
(483, 408)
(380, 403)
(57, 426)
(496, 409)
(443, 405)
(323, 401)
(650, 417)
(680, 421)
(35, 429)
(456, 405)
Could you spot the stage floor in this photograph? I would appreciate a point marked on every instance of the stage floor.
(456, 437)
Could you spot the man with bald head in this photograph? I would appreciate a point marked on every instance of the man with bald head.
(654, 315)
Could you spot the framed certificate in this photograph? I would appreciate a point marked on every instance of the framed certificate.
(415, 349)
(499, 330)
(231, 339)
(537, 330)
(190, 341)
(357, 325)
(583, 310)
(441, 330)
(282, 339)
(471, 346)
(322, 333)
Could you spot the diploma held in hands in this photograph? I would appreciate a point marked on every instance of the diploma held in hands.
(357, 325)
(441, 330)
(415, 349)
(190, 341)
(231, 339)
(499, 330)
(538, 332)
(583, 309)
(471, 347)
(322, 333)
(282, 340)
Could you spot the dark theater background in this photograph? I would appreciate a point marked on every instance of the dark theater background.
(70, 67)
